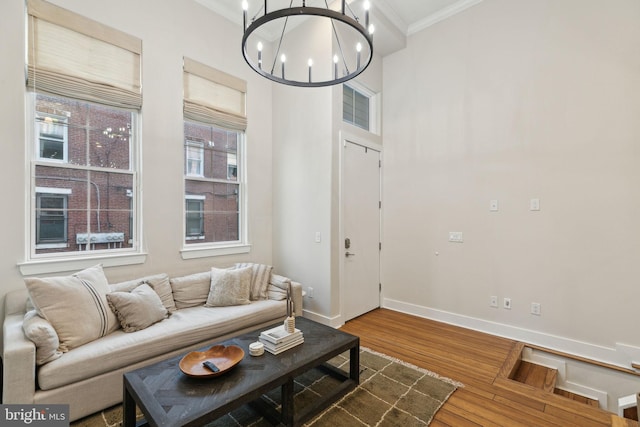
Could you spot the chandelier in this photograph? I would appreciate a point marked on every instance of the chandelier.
(309, 44)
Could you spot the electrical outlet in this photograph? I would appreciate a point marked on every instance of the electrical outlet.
(310, 292)
(535, 308)
(493, 301)
(506, 303)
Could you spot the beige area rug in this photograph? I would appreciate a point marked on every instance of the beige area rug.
(391, 393)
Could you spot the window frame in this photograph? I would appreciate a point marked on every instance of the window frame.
(200, 149)
(242, 245)
(53, 193)
(200, 211)
(65, 136)
(35, 263)
(374, 103)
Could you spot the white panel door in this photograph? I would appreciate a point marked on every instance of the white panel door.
(361, 230)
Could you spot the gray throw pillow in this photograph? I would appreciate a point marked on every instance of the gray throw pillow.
(138, 309)
(158, 282)
(43, 336)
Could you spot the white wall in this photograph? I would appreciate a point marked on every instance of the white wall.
(302, 179)
(169, 30)
(513, 100)
(306, 152)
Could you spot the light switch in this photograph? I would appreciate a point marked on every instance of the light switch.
(455, 236)
(534, 204)
(318, 237)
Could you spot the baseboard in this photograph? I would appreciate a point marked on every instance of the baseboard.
(621, 355)
(334, 322)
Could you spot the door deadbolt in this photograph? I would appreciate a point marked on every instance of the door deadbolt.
(347, 243)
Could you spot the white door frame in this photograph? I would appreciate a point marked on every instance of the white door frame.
(345, 137)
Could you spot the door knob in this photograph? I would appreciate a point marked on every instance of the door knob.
(348, 254)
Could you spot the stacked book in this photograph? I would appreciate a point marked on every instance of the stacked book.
(278, 339)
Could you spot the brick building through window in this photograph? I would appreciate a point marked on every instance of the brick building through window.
(84, 179)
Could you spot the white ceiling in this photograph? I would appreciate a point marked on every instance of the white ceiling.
(394, 19)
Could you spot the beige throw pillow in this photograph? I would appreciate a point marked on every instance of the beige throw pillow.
(191, 290)
(138, 309)
(229, 287)
(260, 276)
(43, 336)
(76, 306)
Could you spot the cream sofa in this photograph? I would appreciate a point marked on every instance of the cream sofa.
(89, 377)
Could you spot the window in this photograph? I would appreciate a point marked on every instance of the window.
(51, 219)
(194, 209)
(52, 137)
(85, 92)
(213, 200)
(355, 107)
(194, 154)
(232, 167)
(214, 150)
(97, 177)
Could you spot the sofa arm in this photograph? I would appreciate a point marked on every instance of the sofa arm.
(296, 296)
(18, 363)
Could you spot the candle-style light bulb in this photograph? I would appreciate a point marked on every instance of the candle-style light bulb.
(260, 55)
(335, 66)
(310, 63)
(358, 50)
(245, 7)
(367, 6)
(372, 29)
(283, 59)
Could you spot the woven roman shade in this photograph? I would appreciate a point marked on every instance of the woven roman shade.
(76, 57)
(214, 97)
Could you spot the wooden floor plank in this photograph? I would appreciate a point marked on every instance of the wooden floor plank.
(483, 363)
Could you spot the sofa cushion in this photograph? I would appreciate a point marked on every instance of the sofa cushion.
(158, 282)
(185, 327)
(260, 276)
(229, 287)
(76, 305)
(138, 309)
(45, 338)
(191, 290)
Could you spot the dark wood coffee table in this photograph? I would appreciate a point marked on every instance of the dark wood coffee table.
(167, 397)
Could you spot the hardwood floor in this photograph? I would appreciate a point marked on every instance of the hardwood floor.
(483, 363)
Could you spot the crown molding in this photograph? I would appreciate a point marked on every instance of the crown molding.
(441, 15)
(390, 13)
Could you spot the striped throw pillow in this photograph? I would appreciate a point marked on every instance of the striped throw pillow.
(76, 306)
(261, 274)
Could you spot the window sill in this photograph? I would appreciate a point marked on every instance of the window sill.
(204, 252)
(52, 245)
(46, 266)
